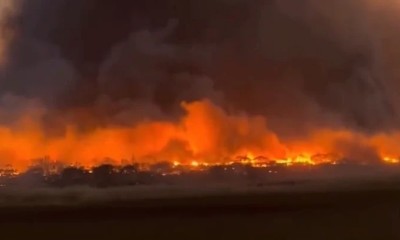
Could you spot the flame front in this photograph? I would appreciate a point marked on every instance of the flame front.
(206, 134)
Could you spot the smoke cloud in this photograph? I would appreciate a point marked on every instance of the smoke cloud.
(301, 65)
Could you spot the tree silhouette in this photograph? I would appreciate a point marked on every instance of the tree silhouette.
(129, 170)
(73, 176)
(104, 175)
(161, 167)
(49, 167)
(128, 175)
(34, 176)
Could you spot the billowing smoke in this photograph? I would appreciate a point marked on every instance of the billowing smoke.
(302, 65)
(7, 12)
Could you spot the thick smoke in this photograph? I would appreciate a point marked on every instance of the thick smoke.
(302, 64)
(264, 56)
(7, 11)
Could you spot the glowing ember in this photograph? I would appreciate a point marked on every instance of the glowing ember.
(195, 164)
(176, 164)
(391, 160)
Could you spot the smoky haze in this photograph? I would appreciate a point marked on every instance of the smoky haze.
(302, 64)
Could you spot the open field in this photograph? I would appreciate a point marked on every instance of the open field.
(366, 213)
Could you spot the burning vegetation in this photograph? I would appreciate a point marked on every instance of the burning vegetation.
(205, 136)
(243, 172)
(158, 91)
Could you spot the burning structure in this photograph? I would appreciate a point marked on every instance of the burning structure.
(199, 84)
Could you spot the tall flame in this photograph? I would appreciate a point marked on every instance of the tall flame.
(205, 134)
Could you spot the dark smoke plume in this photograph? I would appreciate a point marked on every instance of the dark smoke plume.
(304, 63)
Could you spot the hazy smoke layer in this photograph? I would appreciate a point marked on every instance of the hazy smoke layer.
(303, 64)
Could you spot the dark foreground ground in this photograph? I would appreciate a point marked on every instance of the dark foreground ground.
(362, 214)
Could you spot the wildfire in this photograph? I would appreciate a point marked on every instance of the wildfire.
(301, 159)
(176, 164)
(205, 132)
(195, 164)
(391, 160)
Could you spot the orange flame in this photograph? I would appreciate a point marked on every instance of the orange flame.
(206, 134)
